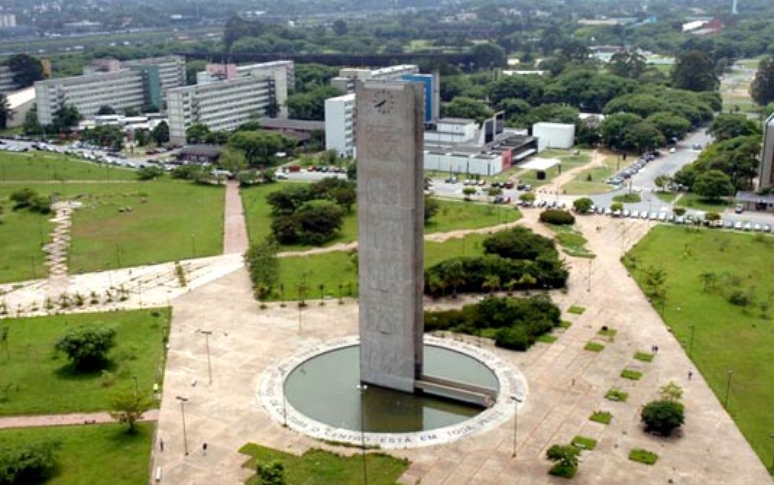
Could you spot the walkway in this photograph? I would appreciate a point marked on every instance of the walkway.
(234, 228)
(57, 249)
(66, 419)
(566, 385)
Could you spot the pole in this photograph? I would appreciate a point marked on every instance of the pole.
(299, 318)
(516, 402)
(728, 388)
(183, 400)
(362, 388)
(690, 347)
(207, 334)
(136, 386)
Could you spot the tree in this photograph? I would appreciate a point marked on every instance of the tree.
(566, 459)
(160, 133)
(612, 128)
(762, 87)
(713, 184)
(671, 391)
(263, 265)
(663, 417)
(149, 172)
(528, 197)
(196, 133)
(232, 159)
(260, 147)
(629, 64)
(727, 126)
(468, 191)
(127, 407)
(583, 204)
(708, 279)
(272, 473)
(642, 137)
(26, 70)
(5, 111)
(310, 105)
(106, 110)
(489, 55)
(27, 461)
(461, 107)
(616, 206)
(66, 117)
(431, 208)
(318, 221)
(87, 347)
(670, 125)
(31, 124)
(662, 181)
(694, 70)
(339, 27)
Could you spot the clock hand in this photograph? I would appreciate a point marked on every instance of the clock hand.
(380, 103)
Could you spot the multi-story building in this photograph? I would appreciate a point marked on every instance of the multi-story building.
(7, 20)
(347, 77)
(120, 90)
(340, 124)
(223, 105)
(129, 85)
(7, 84)
(220, 72)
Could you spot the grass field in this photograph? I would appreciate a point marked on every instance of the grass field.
(168, 220)
(37, 380)
(693, 201)
(95, 454)
(726, 337)
(452, 215)
(48, 166)
(339, 268)
(22, 236)
(326, 468)
(592, 180)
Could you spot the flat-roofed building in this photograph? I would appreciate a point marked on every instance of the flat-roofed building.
(347, 77)
(340, 125)
(223, 105)
(7, 84)
(766, 175)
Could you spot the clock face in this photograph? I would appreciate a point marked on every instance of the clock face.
(383, 101)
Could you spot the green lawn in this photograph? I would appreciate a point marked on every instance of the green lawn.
(666, 196)
(22, 236)
(693, 201)
(339, 268)
(726, 337)
(326, 468)
(592, 181)
(572, 241)
(48, 166)
(37, 380)
(95, 454)
(453, 215)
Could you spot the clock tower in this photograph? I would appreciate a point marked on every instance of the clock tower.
(390, 198)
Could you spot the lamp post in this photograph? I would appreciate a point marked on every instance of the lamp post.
(362, 388)
(183, 400)
(516, 401)
(728, 389)
(207, 334)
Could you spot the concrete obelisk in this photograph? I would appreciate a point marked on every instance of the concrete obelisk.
(390, 197)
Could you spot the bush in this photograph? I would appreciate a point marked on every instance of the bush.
(87, 347)
(663, 417)
(566, 458)
(643, 456)
(616, 395)
(514, 338)
(603, 417)
(594, 347)
(149, 172)
(583, 204)
(27, 198)
(31, 462)
(519, 243)
(558, 217)
(631, 374)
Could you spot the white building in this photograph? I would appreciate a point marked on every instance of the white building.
(171, 70)
(554, 135)
(223, 105)
(340, 125)
(7, 84)
(20, 102)
(119, 90)
(766, 175)
(7, 20)
(347, 77)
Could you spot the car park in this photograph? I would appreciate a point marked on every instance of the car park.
(757, 227)
(738, 225)
(766, 228)
(748, 226)
(626, 212)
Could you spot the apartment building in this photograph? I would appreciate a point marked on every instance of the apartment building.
(223, 105)
(347, 77)
(7, 85)
(340, 124)
(171, 70)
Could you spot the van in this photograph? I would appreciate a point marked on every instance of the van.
(739, 208)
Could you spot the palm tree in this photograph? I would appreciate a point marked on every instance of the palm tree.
(709, 279)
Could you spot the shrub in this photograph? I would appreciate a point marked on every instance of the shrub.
(603, 417)
(644, 357)
(616, 395)
(31, 462)
(739, 298)
(87, 347)
(558, 217)
(663, 417)
(643, 456)
(149, 172)
(566, 458)
(583, 204)
(584, 443)
(519, 243)
(594, 347)
(576, 310)
(514, 338)
(631, 374)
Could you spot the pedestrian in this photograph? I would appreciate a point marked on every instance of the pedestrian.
(204, 449)
(690, 375)
(161, 444)
(655, 349)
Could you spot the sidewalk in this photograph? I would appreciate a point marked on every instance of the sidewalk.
(66, 419)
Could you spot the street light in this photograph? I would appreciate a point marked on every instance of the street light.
(728, 388)
(516, 401)
(362, 388)
(183, 400)
(207, 334)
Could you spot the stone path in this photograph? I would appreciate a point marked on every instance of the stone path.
(566, 385)
(235, 239)
(56, 250)
(66, 419)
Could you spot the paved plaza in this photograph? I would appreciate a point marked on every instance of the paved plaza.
(566, 384)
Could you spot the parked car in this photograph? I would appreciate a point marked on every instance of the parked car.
(739, 208)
